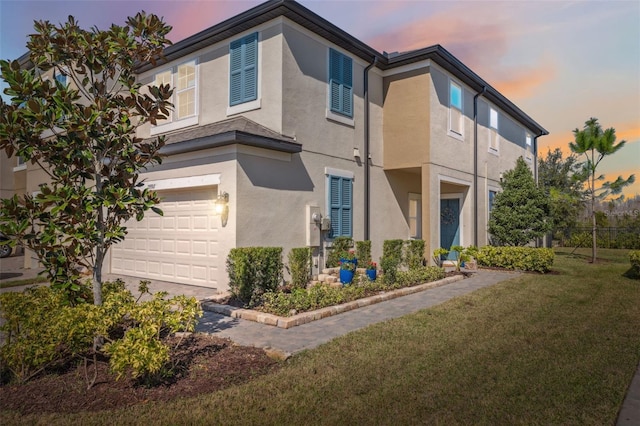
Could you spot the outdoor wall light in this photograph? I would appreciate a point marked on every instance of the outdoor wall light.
(222, 207)
(356, 152)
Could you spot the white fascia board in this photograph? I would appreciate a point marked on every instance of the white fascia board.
(184, 182)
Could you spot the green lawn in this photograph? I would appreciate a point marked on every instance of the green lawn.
(558, 348)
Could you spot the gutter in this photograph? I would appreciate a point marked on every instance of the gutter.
(475, 164)
(367, 141)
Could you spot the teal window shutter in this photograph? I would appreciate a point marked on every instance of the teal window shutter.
(243, 78)
(341, 206)
(341, 83)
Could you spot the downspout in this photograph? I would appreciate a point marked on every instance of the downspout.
(367, 174)
(475, 164)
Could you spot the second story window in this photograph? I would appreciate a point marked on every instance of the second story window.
(529, 147)
(455, 108)
(243, 72)
(184, 82)
(494, 136)
(340, 83)
(60, 77)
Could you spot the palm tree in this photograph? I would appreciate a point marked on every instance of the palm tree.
(596, 144)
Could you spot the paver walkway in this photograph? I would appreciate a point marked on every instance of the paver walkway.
(313, 334)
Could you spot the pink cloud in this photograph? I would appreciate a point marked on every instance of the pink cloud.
(192, 17)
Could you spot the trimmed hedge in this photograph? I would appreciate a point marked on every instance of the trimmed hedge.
(340, 246)
(300, 266)
(391, 259)
(363, 252)
(517, 258)
(254, 271)
(414, 254)
(634, 258)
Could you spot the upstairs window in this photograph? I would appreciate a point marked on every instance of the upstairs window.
(341, 206)
(340, 83)
(60, 77)
(243, 76)
(529, 148)
(183, 80)
(494, 137)
(455, 108)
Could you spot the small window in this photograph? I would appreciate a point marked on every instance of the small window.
(183, 80)
(243, 77)
(455, 108)
(415, 216)
(341, 205)
(494, 136)
(529, 148)
(340, 83)
(492, 196)
(60, 77)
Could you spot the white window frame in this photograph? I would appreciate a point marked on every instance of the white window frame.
(20, 164)
(172, 123)
(528, 156)
(417, 199)
(493, 127)
(456, 133)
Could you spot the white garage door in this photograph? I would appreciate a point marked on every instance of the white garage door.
(181, 246)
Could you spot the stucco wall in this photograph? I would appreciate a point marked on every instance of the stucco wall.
(406, 119)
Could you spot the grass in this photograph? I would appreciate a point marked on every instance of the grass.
(537, 349)
(28, 281)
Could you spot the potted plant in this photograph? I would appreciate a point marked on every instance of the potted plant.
(348, 265)
(372, 270)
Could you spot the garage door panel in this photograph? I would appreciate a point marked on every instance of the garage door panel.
(181, 246)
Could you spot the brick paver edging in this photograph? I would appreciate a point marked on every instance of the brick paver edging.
(306, 317)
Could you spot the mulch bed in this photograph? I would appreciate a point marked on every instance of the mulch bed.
(204, 364)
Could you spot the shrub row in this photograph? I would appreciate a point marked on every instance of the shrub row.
(517, 258)
(254, 271)
(41, 330)
(634, 258)
(321, 295)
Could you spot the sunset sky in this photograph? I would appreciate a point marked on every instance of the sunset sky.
(562, 62)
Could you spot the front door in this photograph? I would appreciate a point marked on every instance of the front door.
(449, 224)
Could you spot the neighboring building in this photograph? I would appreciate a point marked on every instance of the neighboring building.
(288, 116)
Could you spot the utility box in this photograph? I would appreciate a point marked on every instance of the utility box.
(313, 220)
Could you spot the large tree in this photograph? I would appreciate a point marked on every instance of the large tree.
(521, 211)
(562, 179)
(82, 133)
(595, 144)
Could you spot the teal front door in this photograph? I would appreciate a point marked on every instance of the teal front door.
(449, 224)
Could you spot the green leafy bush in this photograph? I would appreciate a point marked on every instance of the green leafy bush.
(391, 259)
(363, 252)
(634, 258)
(340, 246)
(254, 271)
(414, 254)
(518, 258)
(42, 330)
(300, 266)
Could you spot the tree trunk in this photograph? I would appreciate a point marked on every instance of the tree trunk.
(593, 209)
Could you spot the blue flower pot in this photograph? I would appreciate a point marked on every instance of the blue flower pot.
(346, 276)
(372, 274)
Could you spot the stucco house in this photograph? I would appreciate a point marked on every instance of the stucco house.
(287, 131)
